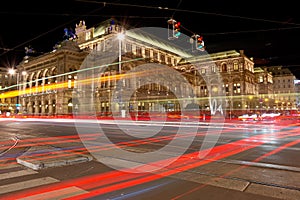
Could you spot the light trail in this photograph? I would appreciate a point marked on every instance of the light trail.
(182, 164)
(93, 149)
(245, 166)
(66, 152)
(87, 81)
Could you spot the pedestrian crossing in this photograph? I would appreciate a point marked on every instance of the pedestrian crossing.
(26, 184)
(14, 174)
(57, 194)
(14, 179)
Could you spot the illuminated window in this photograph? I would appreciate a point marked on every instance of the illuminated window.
(139, 51)
(235, 66)
(162, 58)
(155, 55)
(226, 88)
(69, 81)
(75, 81)
(270, 80)
(88, 36)
(236, 88)
(203, 90)
(213, 68)
(175, 62)
(261, 79)
(169, 60)
(147, 53)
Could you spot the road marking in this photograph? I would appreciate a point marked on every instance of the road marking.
(10, 166)
(260, 164)
(16, 174)
(57, 194)
(232, 184)
(271, 191)
(26, 184)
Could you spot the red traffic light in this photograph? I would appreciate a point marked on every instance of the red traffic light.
(199, 39)
(177, 25)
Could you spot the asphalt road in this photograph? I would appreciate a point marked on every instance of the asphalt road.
(151, 160)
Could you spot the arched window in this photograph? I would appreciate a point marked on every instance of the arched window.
(47, 80)
(224, 67)
(54, 73)
(235, 66)
(40, 79)
(27, 82)
(32, 79)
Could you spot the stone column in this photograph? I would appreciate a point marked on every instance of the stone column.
(37, 107)
(30, 108)
(50, 107)
(43, 107)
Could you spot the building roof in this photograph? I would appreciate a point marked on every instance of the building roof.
(258, 70)
(153, 36)
(279, 71)
(211, 57)
(159, 41)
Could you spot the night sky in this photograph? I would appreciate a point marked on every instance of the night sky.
(268, 32)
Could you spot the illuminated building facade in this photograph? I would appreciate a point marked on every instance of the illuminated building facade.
(284, 88)
(47, 86)
(265, 99)
(297, 90)
(50, 86)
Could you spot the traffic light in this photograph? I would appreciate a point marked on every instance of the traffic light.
(200, 43)
(173, 29)
(177, 29)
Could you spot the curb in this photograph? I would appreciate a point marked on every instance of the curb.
(31, 158)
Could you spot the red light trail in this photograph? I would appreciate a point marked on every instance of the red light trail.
(117, 180)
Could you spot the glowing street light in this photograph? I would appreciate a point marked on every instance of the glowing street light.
(24, 73)
(11, 71)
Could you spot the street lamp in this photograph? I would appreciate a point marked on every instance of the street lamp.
(120, 37)
(12, 72)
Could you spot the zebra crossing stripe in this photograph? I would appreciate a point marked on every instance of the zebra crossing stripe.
(10, 166)
(57, 194)
(17, 174)
(26, 184)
